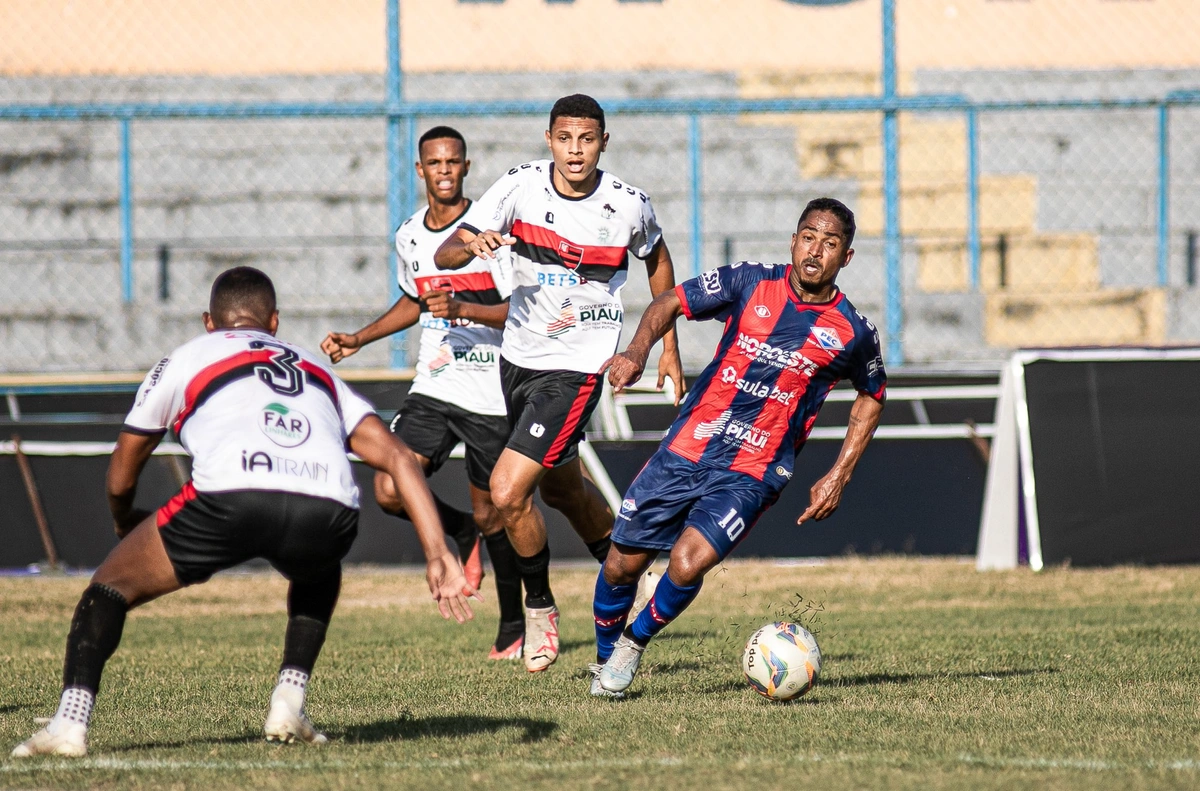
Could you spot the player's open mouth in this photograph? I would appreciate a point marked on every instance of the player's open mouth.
(810, 269)
(575, 167)
(445, 184)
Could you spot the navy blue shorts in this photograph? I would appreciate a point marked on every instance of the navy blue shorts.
(672, 493)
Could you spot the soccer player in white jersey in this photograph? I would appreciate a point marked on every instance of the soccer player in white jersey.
(456, 393)
(267, 426)
(571, 228)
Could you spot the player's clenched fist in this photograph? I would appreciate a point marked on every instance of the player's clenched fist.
(440, 305)
(486, 242)
(339, 345)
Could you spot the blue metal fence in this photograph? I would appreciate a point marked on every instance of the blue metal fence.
(401, 116)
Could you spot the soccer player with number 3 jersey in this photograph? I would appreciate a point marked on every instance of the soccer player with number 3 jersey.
(790, 336)
(571, 228)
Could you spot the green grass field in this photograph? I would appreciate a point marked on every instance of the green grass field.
(935, 676)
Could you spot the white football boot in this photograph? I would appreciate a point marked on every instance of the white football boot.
(69, 740)
(596, 690)
(286, 720)
(541, 638)
(618, 672)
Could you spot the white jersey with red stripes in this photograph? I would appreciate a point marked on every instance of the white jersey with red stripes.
(570, 262)
(458, 361)
(254, 412)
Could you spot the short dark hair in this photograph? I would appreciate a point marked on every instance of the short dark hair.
(239, 291)
(577, 105)
(837, 209)
(440, 133)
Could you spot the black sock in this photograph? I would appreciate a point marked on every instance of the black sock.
(459, 525)
(535, 573)
(310, 608)
(599, 549)
(95, 633)
(508, 580)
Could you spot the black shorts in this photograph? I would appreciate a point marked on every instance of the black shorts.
(432, 428)
(304, 537)
(548, 411)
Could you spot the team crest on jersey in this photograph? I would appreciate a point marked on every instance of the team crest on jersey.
(571, 254)
(285, 426)
(827, 338)
(628, 505)
(565, 321)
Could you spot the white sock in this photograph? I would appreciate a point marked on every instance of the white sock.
(290, 688)
(74, 708)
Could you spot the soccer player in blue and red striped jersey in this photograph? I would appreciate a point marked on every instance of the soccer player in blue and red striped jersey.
(790, 336)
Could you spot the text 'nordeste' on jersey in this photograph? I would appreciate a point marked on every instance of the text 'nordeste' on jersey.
(570, 262)
(254, 412)
(754, 405)
(458, 361)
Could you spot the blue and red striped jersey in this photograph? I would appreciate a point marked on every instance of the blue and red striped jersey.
(754, 405)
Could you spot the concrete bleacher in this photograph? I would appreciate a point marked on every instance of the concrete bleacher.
(1072, 193)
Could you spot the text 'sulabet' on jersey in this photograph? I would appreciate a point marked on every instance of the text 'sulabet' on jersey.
(753, 406)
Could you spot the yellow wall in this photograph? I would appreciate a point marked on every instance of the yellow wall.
(255, 37)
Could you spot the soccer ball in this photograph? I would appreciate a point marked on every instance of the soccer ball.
(782, 661)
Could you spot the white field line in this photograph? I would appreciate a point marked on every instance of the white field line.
(169, 765)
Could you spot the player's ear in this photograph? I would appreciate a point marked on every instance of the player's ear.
(466, 167)
(547, 138)
(209, 326)
(604, 142)
(849, 255)
(273, 322)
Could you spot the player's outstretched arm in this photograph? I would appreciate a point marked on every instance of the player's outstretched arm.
(660, 271)
(462, 246)
(625, 368)
(128, 460)
(381, 449)
(443, 306)
(826, 494)
(401, 316)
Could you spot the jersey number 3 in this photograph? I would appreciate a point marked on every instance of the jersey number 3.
(281, 373)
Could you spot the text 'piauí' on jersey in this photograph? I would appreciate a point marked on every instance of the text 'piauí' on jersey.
(458, 361)
(570, 262)
(254, 412)
(754, 405)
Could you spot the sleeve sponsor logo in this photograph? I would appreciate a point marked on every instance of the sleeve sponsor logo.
(155, 377)
(710, 281)
(783, 472)
(875, 366)
(775, 356)
(284, 426)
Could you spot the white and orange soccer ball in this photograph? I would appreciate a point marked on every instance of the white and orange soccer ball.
(782, 661)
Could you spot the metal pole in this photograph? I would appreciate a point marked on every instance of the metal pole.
(697, 204)
(1164, 188)
(973, 199)
(394, 166)
(891, 192)
(35, 503)
(126, 208)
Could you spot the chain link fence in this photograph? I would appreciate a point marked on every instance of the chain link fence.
(1045, 157)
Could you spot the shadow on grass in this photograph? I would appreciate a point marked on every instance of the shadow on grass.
(406, 727)
(869, 679)
(14, 707)
(247, 737)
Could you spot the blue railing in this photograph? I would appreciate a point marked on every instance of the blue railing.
(401, 118)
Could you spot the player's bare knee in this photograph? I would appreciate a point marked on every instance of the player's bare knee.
(511, 501)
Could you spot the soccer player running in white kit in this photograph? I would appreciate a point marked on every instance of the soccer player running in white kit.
(267, 426)
(456, 393)
(571, 228)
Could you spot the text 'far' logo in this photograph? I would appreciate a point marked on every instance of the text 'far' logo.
(827, 338)
(564, 322)
(284, 426)
(710, 428)
(571, 254)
